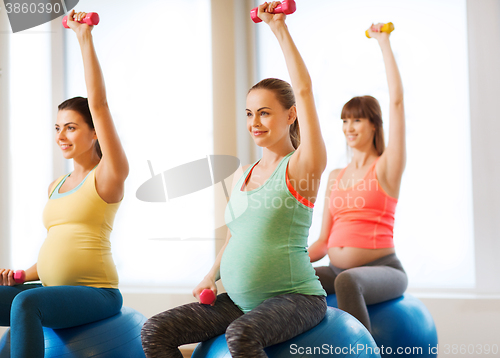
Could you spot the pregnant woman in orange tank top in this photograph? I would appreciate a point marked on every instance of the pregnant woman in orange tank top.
(360, 201)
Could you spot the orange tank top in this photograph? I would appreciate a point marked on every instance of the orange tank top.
(363, 214)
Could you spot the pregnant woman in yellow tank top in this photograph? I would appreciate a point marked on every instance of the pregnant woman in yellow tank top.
(78, 275)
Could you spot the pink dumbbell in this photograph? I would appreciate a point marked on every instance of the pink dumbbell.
(286, 7)
(207, 297)
(92, 18)
(20, 276)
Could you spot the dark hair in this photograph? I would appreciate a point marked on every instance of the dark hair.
(81, 105)
(285, 96)
(367, 107)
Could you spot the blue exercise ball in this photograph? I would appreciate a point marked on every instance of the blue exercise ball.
(338, 335)
(118, 336)
(403, 323)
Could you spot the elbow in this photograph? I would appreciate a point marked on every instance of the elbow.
(303, 87)
(304, 90)
(321, 159)
(323, 163)
(125, 170)
(398, 100)
(318, 250)
(97, 105)
(397, 105)
(320, 163)
(120, 170)
(317, 166)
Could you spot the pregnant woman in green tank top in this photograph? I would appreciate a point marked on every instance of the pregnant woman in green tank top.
(273, 293)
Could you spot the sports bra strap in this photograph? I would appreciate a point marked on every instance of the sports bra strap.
(56, 184)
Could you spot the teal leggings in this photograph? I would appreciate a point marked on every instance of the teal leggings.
(29, 307)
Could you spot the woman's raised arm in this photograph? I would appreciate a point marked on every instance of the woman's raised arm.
(309, 161)
(394, 156)
(113, 168)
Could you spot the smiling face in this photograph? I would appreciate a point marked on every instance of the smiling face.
(362, 124)
(73, 134)
(359, 132)
(267, 120)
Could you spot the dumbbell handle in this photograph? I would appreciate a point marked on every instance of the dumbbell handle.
(20, 276)
(286, 7)
(389, 27)
(207, 297)
(92, 18)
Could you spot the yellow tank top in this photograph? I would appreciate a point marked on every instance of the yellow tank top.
(77, 250)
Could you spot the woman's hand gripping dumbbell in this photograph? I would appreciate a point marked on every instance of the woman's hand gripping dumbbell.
(207, 297)
(286, 7)
(11, 277)
(20, 276)
(388, 27)
(91, 19)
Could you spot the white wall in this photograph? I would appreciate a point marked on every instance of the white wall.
(465, 321)
(484, 70)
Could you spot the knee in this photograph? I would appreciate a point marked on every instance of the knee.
(347, 282)
(235, 331)
(155, 329)
(238, 333)
(154, 337)
(25, 304)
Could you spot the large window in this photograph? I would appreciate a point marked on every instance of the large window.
(434, 228)
(156, 61)
(157, 67)
(30, 133)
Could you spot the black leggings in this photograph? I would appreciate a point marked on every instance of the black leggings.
(374, 282)
(275, 320)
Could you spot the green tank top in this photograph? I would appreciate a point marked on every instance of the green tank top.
(266, 255)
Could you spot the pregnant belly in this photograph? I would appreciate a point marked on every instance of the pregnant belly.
(349, 257)
(250, 277)
(75, 261)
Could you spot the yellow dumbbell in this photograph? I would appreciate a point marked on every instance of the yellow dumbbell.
(389, 27)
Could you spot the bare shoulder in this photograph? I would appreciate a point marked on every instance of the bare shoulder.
(332, 177)
(334, 174)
